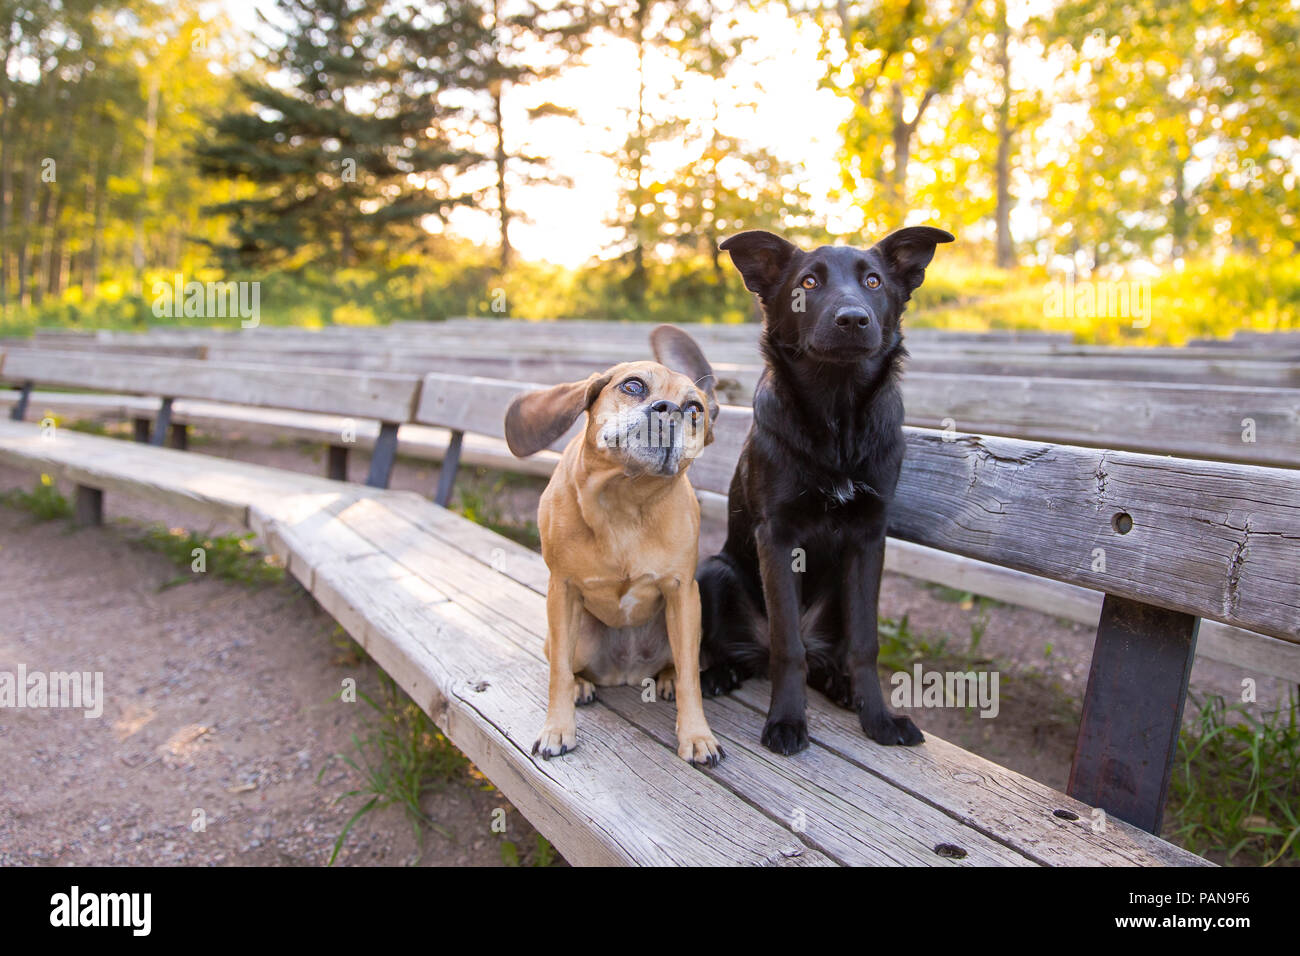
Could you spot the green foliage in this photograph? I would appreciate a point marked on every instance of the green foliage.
(1235, 791)
(403, 757)
(356, 149)
(231, 557)
(543, 853)
(44, 502)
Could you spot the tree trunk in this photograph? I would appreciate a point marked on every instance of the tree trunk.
(501, 159)
(1179, 221)
(146, 181)
(1005, 255)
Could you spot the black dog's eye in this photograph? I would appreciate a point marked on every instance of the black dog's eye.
(809, 282)
(633, 386)
(872, 281)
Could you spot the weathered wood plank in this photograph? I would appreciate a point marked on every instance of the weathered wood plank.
(984, 795)
(976, 787)
(620, 798)
(1213, 539)
(370, 395)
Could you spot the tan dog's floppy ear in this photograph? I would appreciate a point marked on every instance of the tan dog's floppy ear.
(678, 351)
(535, 419)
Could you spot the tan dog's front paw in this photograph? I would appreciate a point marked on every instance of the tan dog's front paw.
(702, 750)
(584, 692)
(556, 741)
(666, 684)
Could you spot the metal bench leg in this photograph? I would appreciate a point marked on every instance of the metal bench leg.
(179, 438)
(383, 456)
(140, 429)
(450, 465)
(162, 424)
(89, 507)
(1133, 710)
(338, 463)
(19, 410)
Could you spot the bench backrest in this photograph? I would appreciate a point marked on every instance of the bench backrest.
(1168, 532)
(382, 395)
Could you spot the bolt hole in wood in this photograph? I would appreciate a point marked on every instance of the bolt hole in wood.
(1065, 814)
(1122, 522)
(951, 851)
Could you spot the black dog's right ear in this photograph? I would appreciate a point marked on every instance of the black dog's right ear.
(535, 419)
(761, 257)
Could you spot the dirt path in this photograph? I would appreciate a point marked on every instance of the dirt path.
(218, 699)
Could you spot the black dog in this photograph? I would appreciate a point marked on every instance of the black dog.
(794, 590)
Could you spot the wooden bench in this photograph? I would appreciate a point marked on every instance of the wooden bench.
(1032, 507)
(1171, 418)
(455, 614)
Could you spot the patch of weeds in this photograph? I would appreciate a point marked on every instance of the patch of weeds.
(542, 854)
(88, 426)
(231, 557)
(1235, 792)
(479, 501)
(403, 757)
(350, 653)
(44, 502)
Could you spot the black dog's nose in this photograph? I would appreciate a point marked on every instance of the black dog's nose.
(665, 407)
(852, 316)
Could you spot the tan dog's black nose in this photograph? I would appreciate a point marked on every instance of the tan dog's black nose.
(665, 407)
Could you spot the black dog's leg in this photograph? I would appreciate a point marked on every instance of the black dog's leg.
(727, 620)
(863, 565)
(786, 730)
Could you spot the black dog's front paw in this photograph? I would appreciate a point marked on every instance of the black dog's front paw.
(785, 737)
(890, 730)
(837, 685)
(718, 680)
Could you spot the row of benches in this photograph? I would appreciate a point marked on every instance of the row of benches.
(1183, 539)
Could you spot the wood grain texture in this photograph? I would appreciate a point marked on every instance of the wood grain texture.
(620, 798)
(1213, 539)
(378, 395)
(1250, 651)
(1049, 840)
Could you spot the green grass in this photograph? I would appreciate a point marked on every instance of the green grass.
(231, 557)
(478, 498)
(44, 502)
(542, 853)
(402, 757)
(1235, 793)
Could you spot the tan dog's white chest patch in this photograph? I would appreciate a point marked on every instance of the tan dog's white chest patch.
(622, 602)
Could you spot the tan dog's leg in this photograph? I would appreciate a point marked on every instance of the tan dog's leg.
(564, 618)
(695, 742)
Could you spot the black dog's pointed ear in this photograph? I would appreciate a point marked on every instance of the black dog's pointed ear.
(761, 257)
(535, 419)
(679, 352)
(908, 251)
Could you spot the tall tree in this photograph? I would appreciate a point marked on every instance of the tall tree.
(348, 147)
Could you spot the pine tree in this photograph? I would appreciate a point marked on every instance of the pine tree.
(348, 150)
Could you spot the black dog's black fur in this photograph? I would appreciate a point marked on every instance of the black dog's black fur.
(794, 590)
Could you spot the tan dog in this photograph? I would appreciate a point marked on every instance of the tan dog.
(620, 527)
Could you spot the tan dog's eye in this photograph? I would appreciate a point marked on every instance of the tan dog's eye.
(809, 282)
(694, 409)
(634, 387)
(873, 281)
